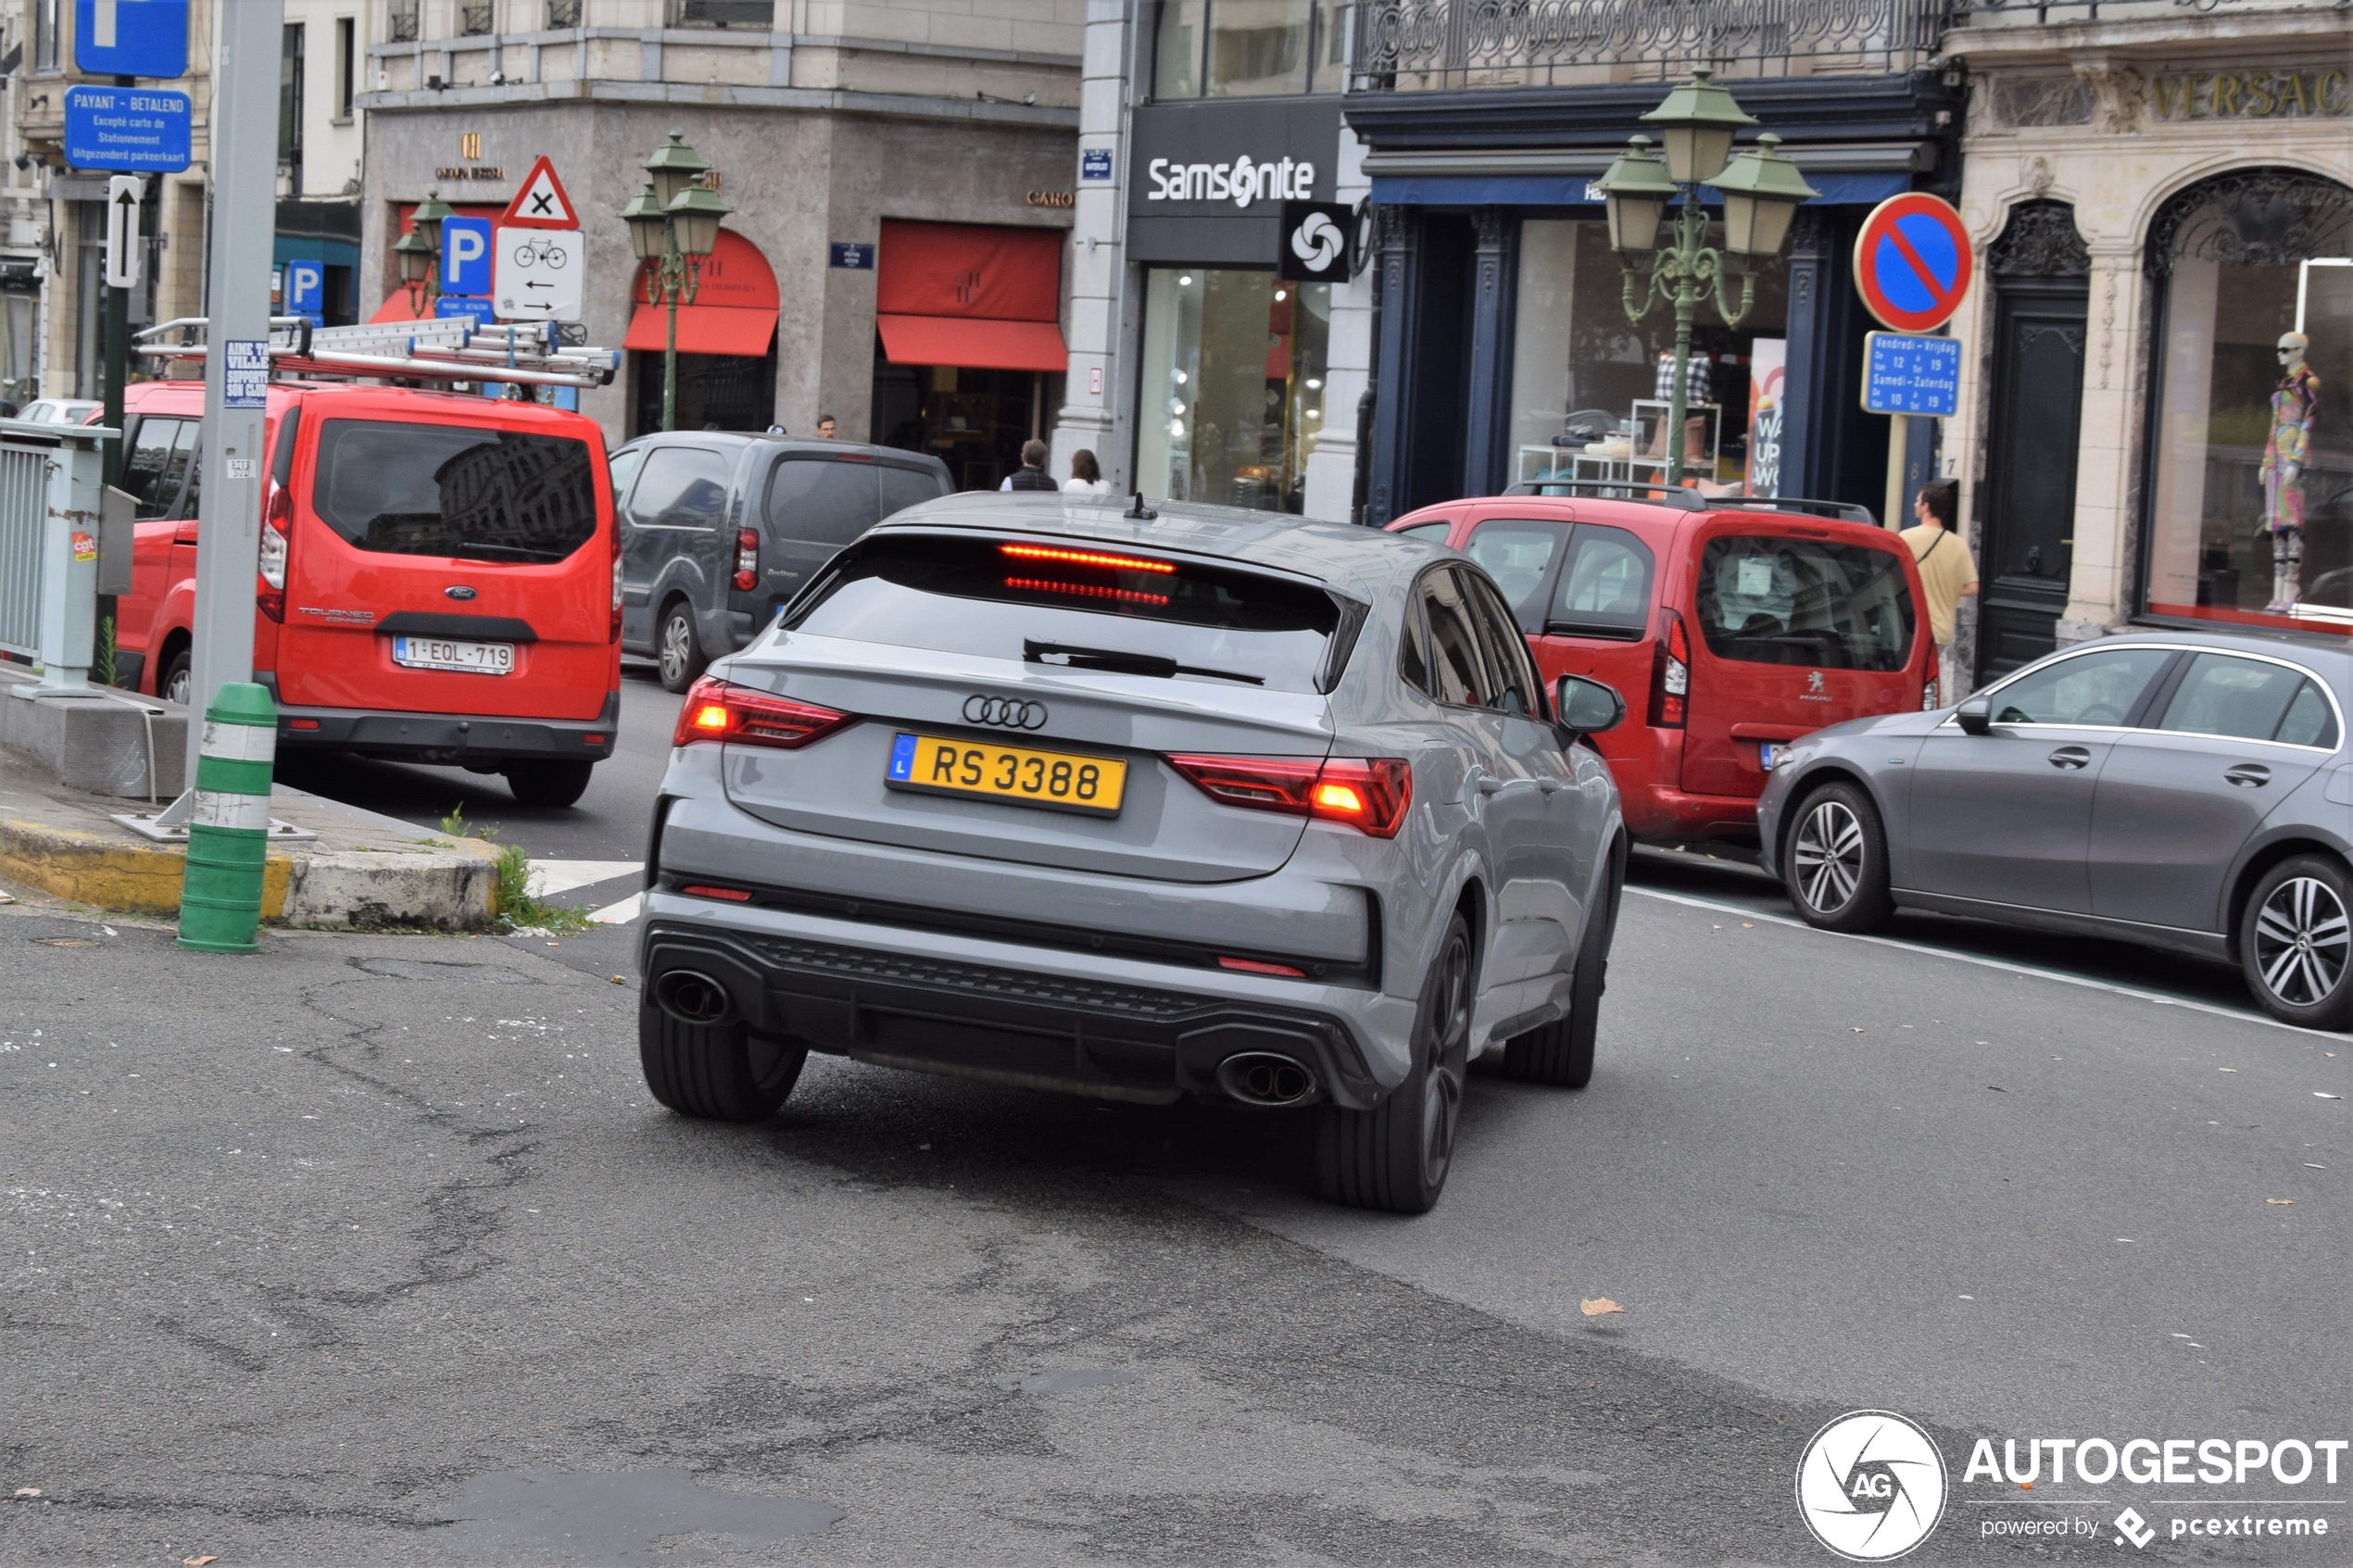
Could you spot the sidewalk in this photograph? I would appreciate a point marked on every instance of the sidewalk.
(363, 870)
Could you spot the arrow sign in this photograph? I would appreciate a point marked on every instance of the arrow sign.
(1913, 262)
(538, 274)
(541, 203)
(125, 192)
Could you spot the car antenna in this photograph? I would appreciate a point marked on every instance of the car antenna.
(1139, 510)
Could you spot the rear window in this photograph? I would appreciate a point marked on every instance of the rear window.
(456, 490)
(1079, 605)
(902, 488)
(823, 500)
(1768, 600)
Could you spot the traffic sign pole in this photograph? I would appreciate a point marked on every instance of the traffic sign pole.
(245, 178)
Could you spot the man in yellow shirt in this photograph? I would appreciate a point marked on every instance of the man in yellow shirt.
(1947, 573)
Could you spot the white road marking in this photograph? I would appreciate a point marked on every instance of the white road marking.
(551, 877)
(1983, 963)
(620, 914)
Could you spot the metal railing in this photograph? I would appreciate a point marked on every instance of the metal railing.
(51, 524)
(24, 487)
(2036, 13)
(1426, 44)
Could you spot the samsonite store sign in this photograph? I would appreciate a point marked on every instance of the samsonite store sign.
(1207, 182)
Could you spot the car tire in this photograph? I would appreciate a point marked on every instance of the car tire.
(1561, 1053)
(179, 678)
(1834, 860)
(549, 782)
(677, 649)
(1396, 1155)
(2295, 942)
(716, 1071)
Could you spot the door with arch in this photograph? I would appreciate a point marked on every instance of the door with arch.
(2026, 508)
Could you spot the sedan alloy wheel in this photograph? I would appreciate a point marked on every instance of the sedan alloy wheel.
(2302, 940)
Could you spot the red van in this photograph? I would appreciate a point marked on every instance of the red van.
(439, 576)
(1730, 628)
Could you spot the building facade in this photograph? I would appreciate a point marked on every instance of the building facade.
(901, 174)
(2159, 196)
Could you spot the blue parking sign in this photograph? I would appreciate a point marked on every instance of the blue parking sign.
(130, 37)
(305, 288)
(465, 255)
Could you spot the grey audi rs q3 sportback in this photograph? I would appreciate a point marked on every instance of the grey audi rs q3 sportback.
(2186, 790)
(1198, 802)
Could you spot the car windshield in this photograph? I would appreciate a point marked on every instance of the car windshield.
(1776, 599)
(456, 490)
(1076, 606)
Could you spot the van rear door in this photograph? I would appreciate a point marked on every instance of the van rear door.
(444, 563)
(1799, 627)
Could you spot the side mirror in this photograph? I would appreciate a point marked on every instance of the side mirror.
(1976, 715)
(1587, 707)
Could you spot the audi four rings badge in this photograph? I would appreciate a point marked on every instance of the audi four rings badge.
(1007, 712)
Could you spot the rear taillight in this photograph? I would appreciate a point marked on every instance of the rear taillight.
(1929, 694)
(746, 559)
(612, 631)
(1368, 792)
(716, 711)
(277, 523)
(1670, 673)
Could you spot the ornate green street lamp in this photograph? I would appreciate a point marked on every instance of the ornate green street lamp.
(1761, 188)
(674, 224)
(419, 252)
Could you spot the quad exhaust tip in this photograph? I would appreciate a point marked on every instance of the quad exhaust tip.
(691, 998)
(1264, 1078)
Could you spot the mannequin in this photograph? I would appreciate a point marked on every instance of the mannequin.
(2282, 470)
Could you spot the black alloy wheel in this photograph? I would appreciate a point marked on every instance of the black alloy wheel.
(2295, 943)
(1835, 867)
(1396, 1155)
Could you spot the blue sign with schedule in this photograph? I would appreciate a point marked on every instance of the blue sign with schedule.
(130, 38)
(129, 130)
(475, 305)
(1906, 374)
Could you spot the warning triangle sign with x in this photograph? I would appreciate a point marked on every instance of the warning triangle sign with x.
(541, 203)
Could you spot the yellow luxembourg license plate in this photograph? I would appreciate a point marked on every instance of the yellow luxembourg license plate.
(1013, 774)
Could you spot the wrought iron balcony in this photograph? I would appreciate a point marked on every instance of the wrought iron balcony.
(1432, 44)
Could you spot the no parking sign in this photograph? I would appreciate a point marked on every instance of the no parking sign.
(1912, 262)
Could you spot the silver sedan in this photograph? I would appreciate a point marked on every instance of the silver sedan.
(2185, 790)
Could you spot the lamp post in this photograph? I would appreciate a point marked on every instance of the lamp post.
(419, 251)
(674, 223)
(1761, 189)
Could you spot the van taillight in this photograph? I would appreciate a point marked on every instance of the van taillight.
(1369, 794)
(1929, 694)
(740, 715)
(1670, 673)
(613, 632)
(277, 527)
(746, 559)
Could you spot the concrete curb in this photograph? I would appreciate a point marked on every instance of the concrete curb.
(365, 869)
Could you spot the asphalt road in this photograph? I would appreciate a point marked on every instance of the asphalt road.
(372, 1249)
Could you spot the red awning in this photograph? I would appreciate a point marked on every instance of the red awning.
(976, 344)
(704, 329)
(396, 307)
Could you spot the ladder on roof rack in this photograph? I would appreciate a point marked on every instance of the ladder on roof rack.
(454, 349)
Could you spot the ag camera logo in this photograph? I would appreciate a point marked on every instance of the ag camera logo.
(1318, 240)
(1871, 1486)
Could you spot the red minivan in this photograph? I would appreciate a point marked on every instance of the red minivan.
(1730, 628)
(439, 576)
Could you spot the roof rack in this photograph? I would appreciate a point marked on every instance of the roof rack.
(1840, 511)
(455, 349)
(1690, 501)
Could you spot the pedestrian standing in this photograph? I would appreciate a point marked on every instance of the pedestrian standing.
(1948, 575)
(1086, 475)
(824, 427)
(1032, 474)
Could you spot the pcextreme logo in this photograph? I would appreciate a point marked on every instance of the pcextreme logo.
(1871, 1486)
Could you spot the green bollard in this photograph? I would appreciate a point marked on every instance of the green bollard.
(229, 832)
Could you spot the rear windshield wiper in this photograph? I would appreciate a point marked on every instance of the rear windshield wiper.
(1070, 655)
(504, 552)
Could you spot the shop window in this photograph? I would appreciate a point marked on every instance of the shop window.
(1249, 48)
(1232, 399)
(972, 419)
(2250, 510)
(1587, 383)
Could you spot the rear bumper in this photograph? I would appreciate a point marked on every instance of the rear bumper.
(1671, 816)
(1116, 1029)
(446, 738)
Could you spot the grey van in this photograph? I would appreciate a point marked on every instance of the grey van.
(719, 529)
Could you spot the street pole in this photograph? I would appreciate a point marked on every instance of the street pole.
(669, 285)
(244, 177)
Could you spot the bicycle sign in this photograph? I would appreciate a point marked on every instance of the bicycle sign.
(537, 276)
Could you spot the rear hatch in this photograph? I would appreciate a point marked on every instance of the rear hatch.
(1799, 627)
(1059, 673)
(445, 562)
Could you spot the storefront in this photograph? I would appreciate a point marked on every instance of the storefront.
(968, 348)
(2161, 342)
(1236, 247)
(1504, 352)
(726, 345)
